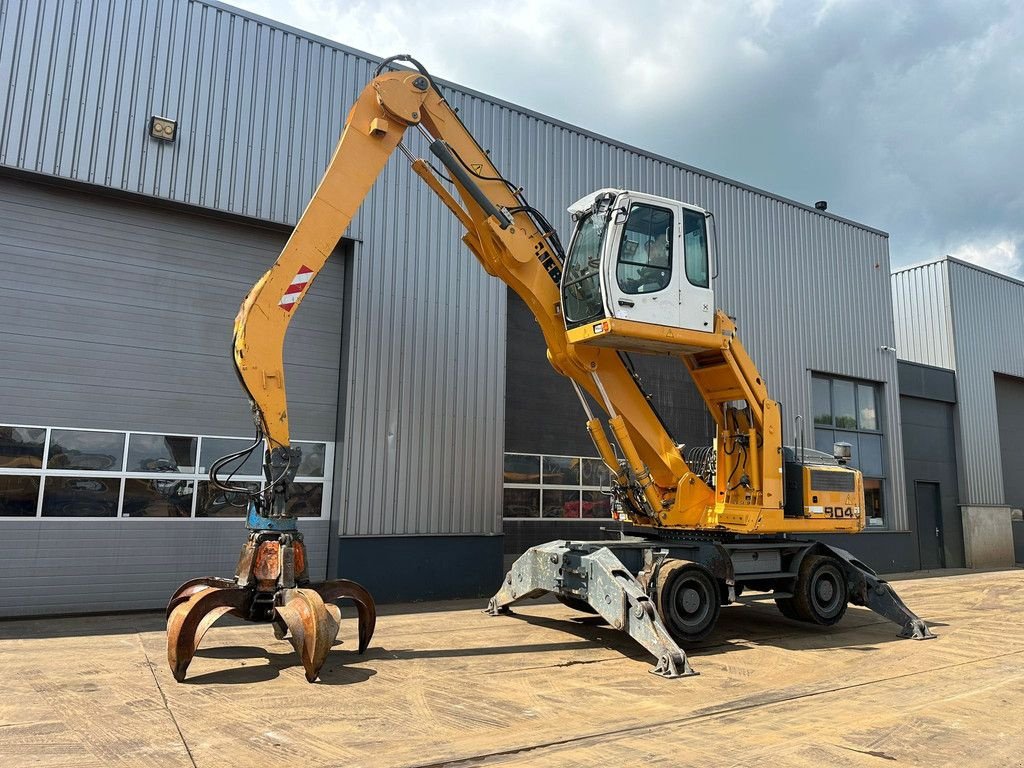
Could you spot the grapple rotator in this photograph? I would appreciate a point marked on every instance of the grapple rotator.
(271, 585)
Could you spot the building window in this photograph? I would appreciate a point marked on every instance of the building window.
(558, 487)
(846, 410)
(58, 472)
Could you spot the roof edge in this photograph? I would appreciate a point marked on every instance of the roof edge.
(959, 262)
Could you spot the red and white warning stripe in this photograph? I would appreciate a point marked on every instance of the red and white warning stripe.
(298, 285)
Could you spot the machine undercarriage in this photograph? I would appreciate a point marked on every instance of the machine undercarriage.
(667, 592)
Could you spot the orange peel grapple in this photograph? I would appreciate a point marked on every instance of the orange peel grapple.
(271, 585)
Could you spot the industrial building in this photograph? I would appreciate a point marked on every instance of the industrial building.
(153, 158)
(968, 320)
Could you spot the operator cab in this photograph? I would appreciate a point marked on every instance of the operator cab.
(638, 258)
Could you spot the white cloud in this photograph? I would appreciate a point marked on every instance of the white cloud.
(905, 116)
(1002, 256)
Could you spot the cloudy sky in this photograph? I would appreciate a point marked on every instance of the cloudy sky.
(907, 116)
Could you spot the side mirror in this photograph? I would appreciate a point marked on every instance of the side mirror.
(842, 452)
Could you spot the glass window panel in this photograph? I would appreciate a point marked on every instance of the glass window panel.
(874, 511)
(843, 408)
(157, 498)
(596, 504)
(22, 447)
(81, 496)
(305, 499)
(852, 439)
(581, 284)
(521, 502)
(314, 457)
(216, 447)
(561, 503)
(561, 470)
(870, 458)
(162, 453)
(212, 502)
(823, 440)
(867, 417)
(822, 400)
(595, 473)
(74, 449)
(645, 251)
(522, 469)
(695, 247)
(18, 496)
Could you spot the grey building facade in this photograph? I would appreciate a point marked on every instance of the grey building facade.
(412, 375)
(970, 320)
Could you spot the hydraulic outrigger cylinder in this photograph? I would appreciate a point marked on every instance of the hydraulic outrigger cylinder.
(271, 585)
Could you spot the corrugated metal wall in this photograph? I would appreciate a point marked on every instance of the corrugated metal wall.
(80, 566)
(988, 323)
(923, 315)
(260, 109)
(119, 316)
(957, 315)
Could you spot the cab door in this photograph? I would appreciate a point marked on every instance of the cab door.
(641, 277)
(696, 297)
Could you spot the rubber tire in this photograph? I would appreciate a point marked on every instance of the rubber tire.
(787, 609)
(807, 603)
(674, 576)
(575, 603)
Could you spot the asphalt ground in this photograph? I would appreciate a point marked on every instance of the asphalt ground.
(446, 685)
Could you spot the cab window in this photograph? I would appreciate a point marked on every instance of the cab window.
(645, 251)
(695, 247)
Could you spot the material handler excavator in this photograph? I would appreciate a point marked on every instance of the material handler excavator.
(699, 525)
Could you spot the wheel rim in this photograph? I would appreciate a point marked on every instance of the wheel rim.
(827, 593)
(691, 603)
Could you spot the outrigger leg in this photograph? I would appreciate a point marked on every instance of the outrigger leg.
(598, 578)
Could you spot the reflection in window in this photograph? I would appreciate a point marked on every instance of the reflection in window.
(843, 404)
(214, 448)
(21, 447)
(74, 449)
(157, 498)
(645, 251)
(314, 457)
(561, 503)
(73, 474)
(822, 400)
(866, 415)
(595, 473)
(521, 502)
(561, 470)
(695, 248)
(555, 487)
(596, 504)
(162, 453)
(18, 496)
(305, 499)
(522, 469)
(211, 502)
(81, 496)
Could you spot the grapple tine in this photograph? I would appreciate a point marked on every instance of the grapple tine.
(190, 619)
(337, 589)
(312, 627)
(191, 587)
